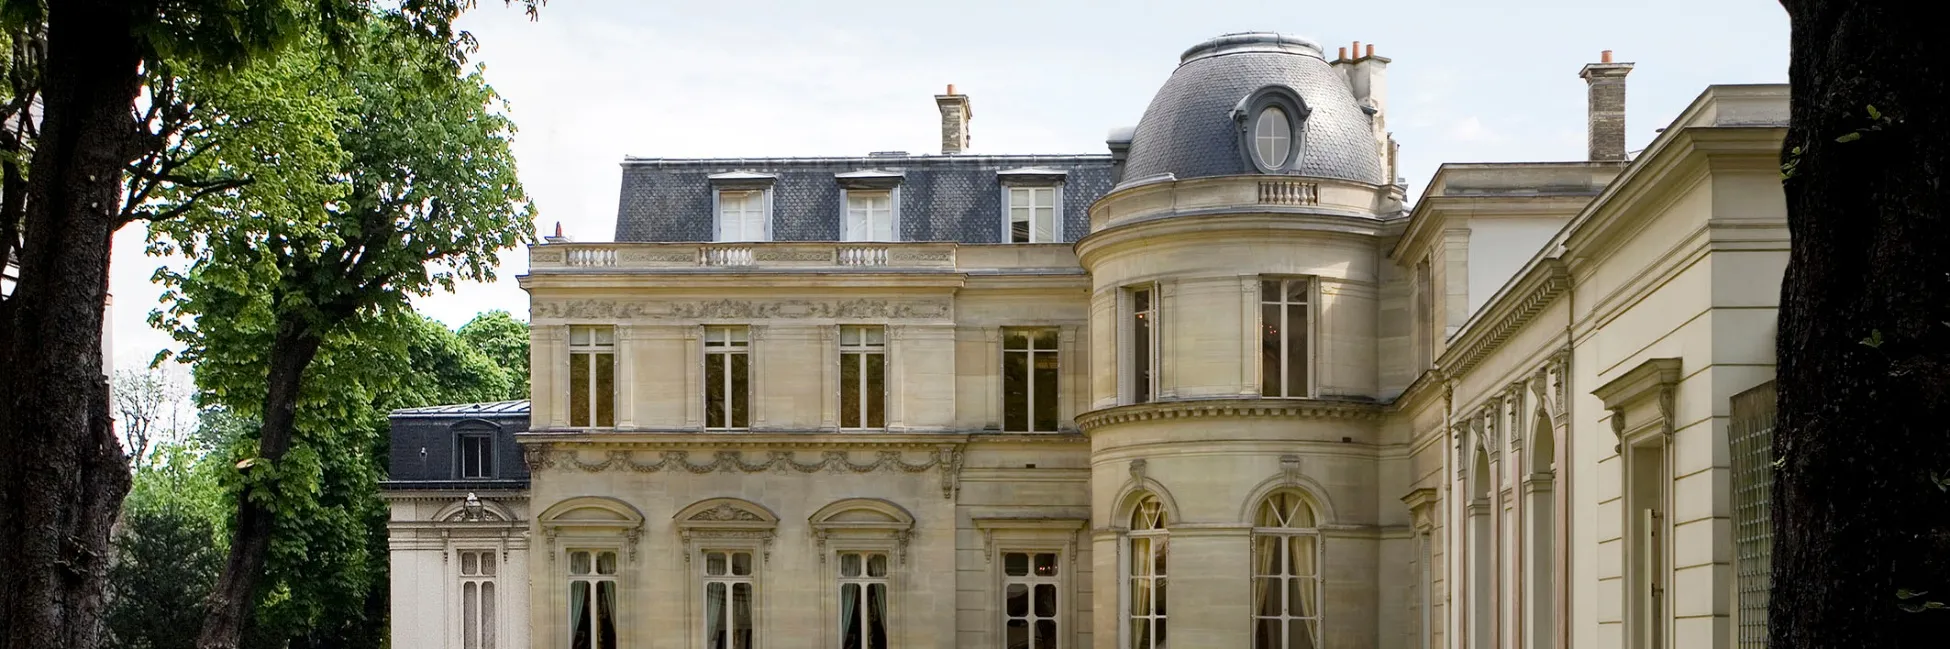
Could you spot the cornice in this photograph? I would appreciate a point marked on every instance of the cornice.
(1231, 409)
(1506, 315)
(1257, 223)
(809, 439)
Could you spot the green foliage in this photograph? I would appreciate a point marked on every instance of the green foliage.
(504, 340)
(168, 551)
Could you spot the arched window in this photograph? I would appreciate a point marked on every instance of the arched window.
(1286, 574)
(1272, 137)
(1145, 572)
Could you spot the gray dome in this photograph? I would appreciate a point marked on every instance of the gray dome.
(1188, 130)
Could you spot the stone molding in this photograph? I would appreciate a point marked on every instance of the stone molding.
(743, 309)
(1230, 409)
(726, 518)
(1503, 318)
(1657, 378)
(945, 458)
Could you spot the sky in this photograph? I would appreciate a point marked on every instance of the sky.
(592, 81)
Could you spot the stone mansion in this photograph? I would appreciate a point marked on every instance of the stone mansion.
(1226, 385)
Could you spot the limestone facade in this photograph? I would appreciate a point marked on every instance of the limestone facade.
(1290, 409)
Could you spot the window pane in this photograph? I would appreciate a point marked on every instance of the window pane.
(876, 565)
(850, 565)
(877, 616)
(1017, 635)
(606, 563)
(1046, 564)
(850, 336)
(1015, 564)
(470, 616)
(579, 335)
(741, 616)
(578, 563)
(487, 615)
(1045, 634)
(1270, 368)
(741, 563)
(605, 390)
(470, 563)
(1017, 600)
(1140, 556)
(1266, 633)
(1045, 600)
(876, 391)
(606, 613)
(1019, 197)
(1140, 633)
(875, 336)
(850, 616)
(1296, 349)
(487, 563)
(1019, 225)
(1141, 602)
(714, 563)
(1044, 224)
(850, 391)
(714, 390)
(1045, 338)
(583, 635)
(579, 390)
(1158, 558)
(1269, 290)
(1015, 391)
(603, 336)
(1141, 346)
(714, 614)
(1298, 636)
(740, 395)
(1046, 383)
(1303, 557)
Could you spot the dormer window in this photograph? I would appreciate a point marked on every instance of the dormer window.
(1272, 137)
(1032, 205)
(742, 206)
(1271, 129)
(870, 200)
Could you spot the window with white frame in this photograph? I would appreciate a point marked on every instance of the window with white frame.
(727, 378)
(1272, 137)
(1141, 350)
(592, 599)
(863, 600)
(1031, 598)
(729, 600)
(592, 376)
(1146, 546)
(742, 215)
(1286, 574)
(1029, 379)
(476, 456)
(1032, 215)
(477, 599)
(1284, 332)
(869, 216)
(863, 376)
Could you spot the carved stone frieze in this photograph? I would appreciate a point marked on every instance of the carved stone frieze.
(744, 309)
(1138, 467)
(946, 458)
(726, 512)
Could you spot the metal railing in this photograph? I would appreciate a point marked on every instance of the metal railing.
(1751, 438)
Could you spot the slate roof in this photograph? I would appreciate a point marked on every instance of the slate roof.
(490, 408)
(424, 441)
(1188, 132)
(955, 198)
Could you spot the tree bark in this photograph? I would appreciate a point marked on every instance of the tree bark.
(234, 598)
(1864, 341)
(62, 478)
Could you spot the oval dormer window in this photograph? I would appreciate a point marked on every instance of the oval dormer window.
(1272, 137)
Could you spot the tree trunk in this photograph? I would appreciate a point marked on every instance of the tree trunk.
(62, 478)
(1864, 342)
(236, 592)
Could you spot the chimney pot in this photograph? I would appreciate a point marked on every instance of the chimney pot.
(955, 115)
(1343, 56)
(1605, 109)
(1357, 49)
(951, 89)
(558, 229)
(1371, 49)
(1605, 57)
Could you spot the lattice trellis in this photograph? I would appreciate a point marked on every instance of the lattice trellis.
(1752, 439)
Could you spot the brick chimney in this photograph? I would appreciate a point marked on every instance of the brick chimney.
(1606, 110)
(954, 121)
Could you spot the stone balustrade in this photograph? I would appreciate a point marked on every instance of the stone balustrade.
(776, 255)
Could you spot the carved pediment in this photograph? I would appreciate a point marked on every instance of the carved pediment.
(726, 512)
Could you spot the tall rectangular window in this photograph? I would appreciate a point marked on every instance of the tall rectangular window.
(1142, 351)
(741, 215)
(863, 376)
(727, 378)
(592, 599)
(476, 455)
(1029, 379)
(863, 600)
(1284, 331)
(592, 376)
(728, 600)
(869, 216)
(1032, 214)
(477, 599)
(1030, 600)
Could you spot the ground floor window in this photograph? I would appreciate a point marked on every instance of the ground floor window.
(592, 599)
(1030, 600)
(728, 599)
(863, 600)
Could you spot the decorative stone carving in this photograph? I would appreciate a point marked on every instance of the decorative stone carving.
(1137, 471)
(949, 458)
(1290, 470)
(765, 254)
(744, 309)
(725, 512)
(946, 458)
